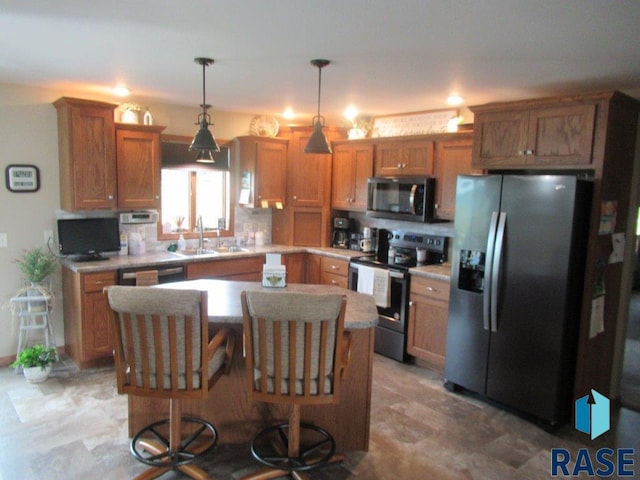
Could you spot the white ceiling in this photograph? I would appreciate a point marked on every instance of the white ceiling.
(387, 56)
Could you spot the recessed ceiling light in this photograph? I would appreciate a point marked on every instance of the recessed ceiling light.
(288, 113)
(454, 100)
(120, 90)
(351, 113)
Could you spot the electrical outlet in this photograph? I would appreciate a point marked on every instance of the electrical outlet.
(48, 235)
(3, 240)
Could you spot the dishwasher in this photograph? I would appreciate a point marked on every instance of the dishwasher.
(166, 274)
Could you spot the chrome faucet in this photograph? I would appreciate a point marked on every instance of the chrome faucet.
(200, 227)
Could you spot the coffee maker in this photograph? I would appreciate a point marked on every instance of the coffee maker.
(341, 231)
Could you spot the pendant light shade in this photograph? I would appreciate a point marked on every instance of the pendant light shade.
(318, 141)
(203, 142)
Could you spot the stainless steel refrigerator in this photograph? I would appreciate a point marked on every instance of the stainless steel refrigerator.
(517, 276)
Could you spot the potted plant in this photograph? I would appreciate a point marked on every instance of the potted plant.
(37, 264)
(36, 362)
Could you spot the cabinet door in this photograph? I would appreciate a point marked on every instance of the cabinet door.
(352, 165)
(314, 269)
(309, 173)
(499, 139)
(417, 157)
(97, 335)
(343, 173)
(238, 268)
(295, 263)
(364, 169)
(86, 147)
(561, 136)
(453, 158)
(388, 159)
(271, 173)
(428, 313)
(309, 227)
(138, 160)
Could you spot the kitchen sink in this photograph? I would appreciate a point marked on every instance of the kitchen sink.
(193, 252)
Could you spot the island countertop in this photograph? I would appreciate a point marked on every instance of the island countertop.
(225, 307)
(228, 405)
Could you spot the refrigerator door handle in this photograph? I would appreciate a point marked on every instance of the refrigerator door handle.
(491, 240)
(495, 270)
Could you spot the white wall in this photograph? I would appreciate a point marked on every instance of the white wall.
(28, 135)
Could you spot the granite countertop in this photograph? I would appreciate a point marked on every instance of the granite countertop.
(165, 258)
(438, 272)
(225, 307)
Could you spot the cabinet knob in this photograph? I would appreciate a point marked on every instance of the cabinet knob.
(410, 303)
(295, 197)
(333, 282)
(157, 197)
(110, 197)
(334, 267)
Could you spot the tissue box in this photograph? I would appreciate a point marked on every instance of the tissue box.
(274, 276)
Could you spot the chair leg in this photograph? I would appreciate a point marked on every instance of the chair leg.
(169, 453)
(294, 432)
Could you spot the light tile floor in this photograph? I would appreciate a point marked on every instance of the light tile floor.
(73, 426)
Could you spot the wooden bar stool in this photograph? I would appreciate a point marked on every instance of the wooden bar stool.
(297, 353)
(162, 350)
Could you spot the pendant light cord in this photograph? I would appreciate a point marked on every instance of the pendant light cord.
(319, 88)
(204, 106)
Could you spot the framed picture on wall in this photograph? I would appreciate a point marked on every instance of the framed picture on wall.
(22, 178)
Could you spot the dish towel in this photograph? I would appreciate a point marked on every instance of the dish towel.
(376, 282)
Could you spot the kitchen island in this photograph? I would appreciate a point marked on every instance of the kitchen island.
(228, 407)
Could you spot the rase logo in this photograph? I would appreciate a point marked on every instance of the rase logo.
(592, 417)
(593, 414)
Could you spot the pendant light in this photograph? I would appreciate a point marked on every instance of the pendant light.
(318, 141)
(203, 141)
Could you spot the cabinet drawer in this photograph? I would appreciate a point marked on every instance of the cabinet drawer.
(436, 289)
(95, 282)
(327, 278)
(334, 266)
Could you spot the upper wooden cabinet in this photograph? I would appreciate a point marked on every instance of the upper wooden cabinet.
(453, 158)
(308, 174)
(262, 171)
(138, 165)
(531, 136)
(403, 156)
(86, 149)
(352, 165)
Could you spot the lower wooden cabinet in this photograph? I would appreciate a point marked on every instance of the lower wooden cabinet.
(323, 270)
(296, 267)
(334, 272)
(248, 269)
(87, 333)
(428, 313)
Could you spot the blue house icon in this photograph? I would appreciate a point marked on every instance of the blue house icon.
(593, 414)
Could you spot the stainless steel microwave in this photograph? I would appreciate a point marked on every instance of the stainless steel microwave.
(401, 198)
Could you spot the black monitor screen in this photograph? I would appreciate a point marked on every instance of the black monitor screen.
(88, 237)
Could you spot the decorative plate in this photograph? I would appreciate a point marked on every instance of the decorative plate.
(264, 126)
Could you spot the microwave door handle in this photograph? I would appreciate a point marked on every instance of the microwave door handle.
(412, 199)
(486, 300)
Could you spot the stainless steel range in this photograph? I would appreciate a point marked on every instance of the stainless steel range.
(398, 251)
